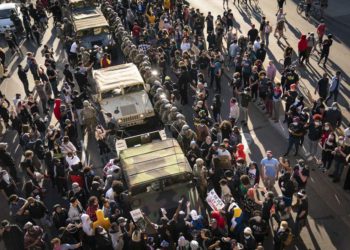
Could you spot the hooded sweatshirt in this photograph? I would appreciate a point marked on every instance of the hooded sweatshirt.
(87, 228)
(240, 152)
(302, 44)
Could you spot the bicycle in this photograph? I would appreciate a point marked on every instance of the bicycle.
(314, 11)
(294, 64)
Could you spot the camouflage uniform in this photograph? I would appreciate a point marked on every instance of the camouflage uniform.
(185, 137)
(85, 56)
(177, 125)
(89, 117)
(164, 114)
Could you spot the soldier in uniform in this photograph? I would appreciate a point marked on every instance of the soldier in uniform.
(89, 116)
(165, 112)
(159, 92)
(85, 56)
(158, 104)
(172, 115)
(177, 125)
(185, 137)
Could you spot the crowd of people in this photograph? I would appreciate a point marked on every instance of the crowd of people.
(171, 37)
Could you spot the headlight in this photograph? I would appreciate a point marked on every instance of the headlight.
(120, 120)
(142, 116)
(106, 48)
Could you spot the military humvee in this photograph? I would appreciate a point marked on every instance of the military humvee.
(156, 172)
(121, 91)
(74, 5)
(91, 28)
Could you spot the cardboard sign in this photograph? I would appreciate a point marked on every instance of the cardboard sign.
(214, 200)
(136, 214)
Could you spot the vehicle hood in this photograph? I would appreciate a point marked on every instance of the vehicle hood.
(127, 105)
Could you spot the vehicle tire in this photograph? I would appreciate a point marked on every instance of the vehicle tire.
(300, 8)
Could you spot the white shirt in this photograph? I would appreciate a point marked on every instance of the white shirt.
(185, 46)
(109, 194)
(234, 111)
(72, 161)
(73, 48)
(256, 46)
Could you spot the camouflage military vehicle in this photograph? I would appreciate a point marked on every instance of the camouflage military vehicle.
(157, 173)
(91, 28)
(78, 5)
(121, 91)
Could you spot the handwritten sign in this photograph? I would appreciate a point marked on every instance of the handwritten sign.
(136, 214)
(214, 200)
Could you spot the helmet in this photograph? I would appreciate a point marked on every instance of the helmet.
(185, 127)
(180, 116)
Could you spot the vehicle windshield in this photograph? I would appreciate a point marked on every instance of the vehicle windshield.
(160, 184)
(6, 13)
(133, 88)
(110, 94)
(93, 32)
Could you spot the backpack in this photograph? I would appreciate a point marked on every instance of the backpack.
(267, 29)
(289, 239)
(39, 149)
(24, 139)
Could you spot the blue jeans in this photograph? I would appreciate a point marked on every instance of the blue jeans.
(338, 169)
(293, 141)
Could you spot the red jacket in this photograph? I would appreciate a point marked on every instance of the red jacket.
(56, 109)
(302, 44)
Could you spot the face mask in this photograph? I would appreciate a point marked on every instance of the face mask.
(246, 237)
(334, 108)
(326, 128)
(341, 142)
(245, 92)
(317, 123)
(295, 123)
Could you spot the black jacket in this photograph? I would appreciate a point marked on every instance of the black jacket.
(334, 117)
(5, 159)
(315, 133)
(13, 239)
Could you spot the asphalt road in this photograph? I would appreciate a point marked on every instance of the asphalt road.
(329, 206)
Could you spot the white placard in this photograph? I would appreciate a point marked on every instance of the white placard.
(136, 214)
(214, 200)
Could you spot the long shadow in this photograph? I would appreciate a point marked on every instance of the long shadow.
(296, 32)
(244, 15)
(237, 25)
(312, 236)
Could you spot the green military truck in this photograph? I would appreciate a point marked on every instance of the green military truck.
(156, 172)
